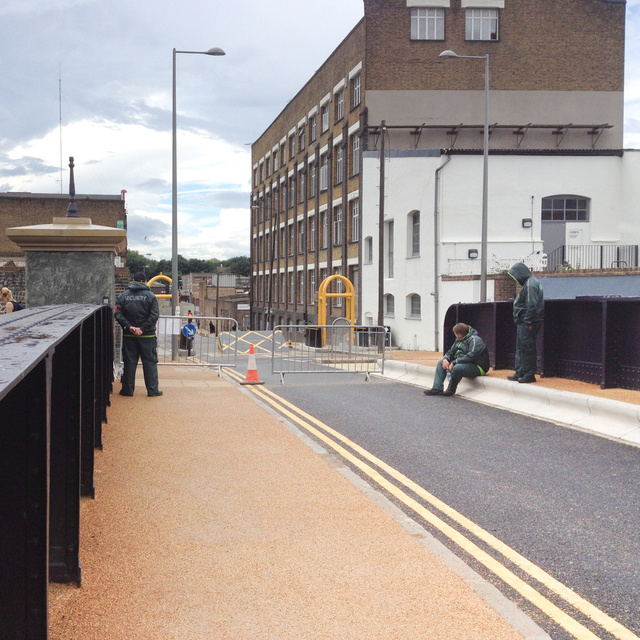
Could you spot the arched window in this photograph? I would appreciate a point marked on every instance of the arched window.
(389, 305)
(414, 306)
(413, 234)
(368, 250)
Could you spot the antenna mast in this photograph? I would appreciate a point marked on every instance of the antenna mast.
(60, 113)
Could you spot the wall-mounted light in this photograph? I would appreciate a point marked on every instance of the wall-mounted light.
(527, 223)
(473, 254)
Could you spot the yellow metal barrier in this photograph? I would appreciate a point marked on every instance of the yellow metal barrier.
(323, 295)
(164, 296)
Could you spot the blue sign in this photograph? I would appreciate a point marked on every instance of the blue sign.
(189, 330)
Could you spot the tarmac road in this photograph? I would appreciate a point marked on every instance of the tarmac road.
(565, 500)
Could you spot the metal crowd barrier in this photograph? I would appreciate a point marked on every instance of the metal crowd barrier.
(55, 380)
(202, 341)
(590, 339)
(328, 349)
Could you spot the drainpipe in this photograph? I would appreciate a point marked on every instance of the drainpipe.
(436, 252)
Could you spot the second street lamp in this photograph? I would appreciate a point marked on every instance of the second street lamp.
(215, 51)
(485, 169)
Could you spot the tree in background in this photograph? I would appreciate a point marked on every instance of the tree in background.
(240, 265)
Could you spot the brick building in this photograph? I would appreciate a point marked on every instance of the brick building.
(556, 110)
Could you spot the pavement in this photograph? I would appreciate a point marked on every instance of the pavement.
(216, 518)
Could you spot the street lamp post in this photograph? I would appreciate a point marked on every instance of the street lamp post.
(215, 51)
(485, 170)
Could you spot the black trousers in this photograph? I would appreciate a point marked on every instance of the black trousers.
(145, 349)
(526, 350)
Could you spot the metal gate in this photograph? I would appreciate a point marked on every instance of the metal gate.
(202, 341)
(328, 349)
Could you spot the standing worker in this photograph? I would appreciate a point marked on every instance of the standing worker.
(137, 312)
(528, 314)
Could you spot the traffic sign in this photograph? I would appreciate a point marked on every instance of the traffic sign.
(189, 330)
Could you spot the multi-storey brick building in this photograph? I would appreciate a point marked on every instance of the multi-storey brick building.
(556, 103)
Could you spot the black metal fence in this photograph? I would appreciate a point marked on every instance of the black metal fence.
(56, 374)
(595, 340)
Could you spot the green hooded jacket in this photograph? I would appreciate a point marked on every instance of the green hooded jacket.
(528, 307)
(137, 307)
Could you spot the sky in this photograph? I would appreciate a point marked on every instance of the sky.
(93, 80)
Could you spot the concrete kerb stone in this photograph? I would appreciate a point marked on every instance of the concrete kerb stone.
(611, 418)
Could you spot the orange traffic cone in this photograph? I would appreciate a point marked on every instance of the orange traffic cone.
(252, 369)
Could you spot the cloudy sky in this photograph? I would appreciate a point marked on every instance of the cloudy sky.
(113, 62)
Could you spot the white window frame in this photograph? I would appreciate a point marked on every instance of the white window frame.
(324, 172)
(355, 154)
(324, 230)
(427, 23)
(479, 23)
(356, 91)
(337, 225)
(339, 164)
(324, 114)
(339, 105)
(354, 212)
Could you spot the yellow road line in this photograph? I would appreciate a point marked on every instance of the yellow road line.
(572, 598)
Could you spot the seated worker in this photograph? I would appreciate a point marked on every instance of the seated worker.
(468, 357)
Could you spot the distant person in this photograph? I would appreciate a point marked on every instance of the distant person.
(212, 327)
(137, 312)
(528, 314)
(468, 357)
(10, 304)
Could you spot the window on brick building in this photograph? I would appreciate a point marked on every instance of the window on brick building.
(339, 105)
(355, 154)
(427, 24)
(324, 173)
(301, 143)
(324, 230)
(313, 128)
(314, 180)
(339, 164)
(482, 24)
(337, 225)
(324, 113)
(292, 146)
(356, 95)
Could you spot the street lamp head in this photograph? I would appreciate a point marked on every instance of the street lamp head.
(215, 51)
(448, 54)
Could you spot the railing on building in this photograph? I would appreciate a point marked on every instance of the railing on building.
(55, 380)
(347, 348)
(590, 339)
(471, 267)
(597, 256)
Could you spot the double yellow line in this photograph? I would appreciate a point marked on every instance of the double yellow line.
(560, 617)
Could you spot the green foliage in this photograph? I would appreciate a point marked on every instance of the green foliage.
(240, 265)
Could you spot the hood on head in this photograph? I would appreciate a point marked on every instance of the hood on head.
(520, 272)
